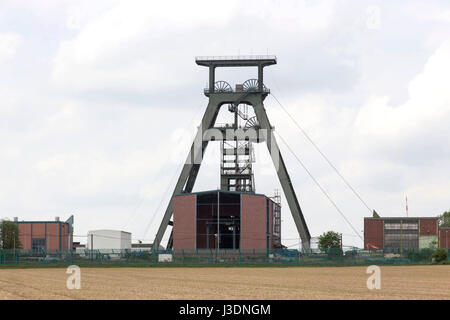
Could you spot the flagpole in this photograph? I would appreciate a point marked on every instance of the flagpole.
(406, 206)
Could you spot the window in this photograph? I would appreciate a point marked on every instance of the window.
(38, 244)
(404, 225)
(401, 239)
(410, 225)
(391, 225)
(218, 227)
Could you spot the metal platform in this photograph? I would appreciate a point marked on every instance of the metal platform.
(236, 61)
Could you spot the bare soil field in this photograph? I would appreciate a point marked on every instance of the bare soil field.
(397, 282)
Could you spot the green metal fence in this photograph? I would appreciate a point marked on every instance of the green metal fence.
(333, 257)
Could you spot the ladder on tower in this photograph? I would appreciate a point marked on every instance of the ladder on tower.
(237, 157)
(277, 217)
(236, 166)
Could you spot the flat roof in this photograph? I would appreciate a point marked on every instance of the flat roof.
(40, 222)
(236, 61)
(108, 230)
(221, 191)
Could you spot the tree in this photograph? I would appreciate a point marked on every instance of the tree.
(329, 240)
(9, 235)
(433, 244)
(444, 219)
(439, 255)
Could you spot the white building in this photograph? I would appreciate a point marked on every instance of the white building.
(108, 239)
(314, 244)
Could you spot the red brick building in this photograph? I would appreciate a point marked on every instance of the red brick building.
(225, 220)
(404, 233)
(444, 237)
(46, 235)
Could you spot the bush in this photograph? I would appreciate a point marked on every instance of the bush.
(421, 255)
(334, 253)
(439, 255)
(350, 253)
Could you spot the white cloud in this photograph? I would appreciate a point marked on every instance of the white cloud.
(385, 150)
(120, 138)
(126, 41)
(431, 86)
(292, 15)
(426, 111)
(146, 46)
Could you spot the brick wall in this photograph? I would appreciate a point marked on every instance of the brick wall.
(25, 236)
(428, 227)
(444, 238)
(253, 222)
(184, 222)
(56, 235)
(373, 233)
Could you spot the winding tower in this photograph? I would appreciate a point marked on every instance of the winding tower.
(236, 139)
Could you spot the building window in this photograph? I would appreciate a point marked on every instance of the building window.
(218, 221)
(392, 225)
(397, 239)
(38, 244)
(410, 225)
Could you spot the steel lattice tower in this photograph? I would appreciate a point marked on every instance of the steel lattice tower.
(236, 141)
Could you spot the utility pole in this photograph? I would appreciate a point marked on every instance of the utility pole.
(407, 206)
(92, 246)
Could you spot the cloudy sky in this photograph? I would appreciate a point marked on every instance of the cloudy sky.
(99, 101)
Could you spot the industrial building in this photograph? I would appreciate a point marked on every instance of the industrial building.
(108, 239)
(46, 235)
(404, 233)
(444, 237)
(226, 220)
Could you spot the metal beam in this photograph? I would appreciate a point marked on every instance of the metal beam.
(236, 61)
(283, 175)
(260, 78)
(212, 78)
(191, 166)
